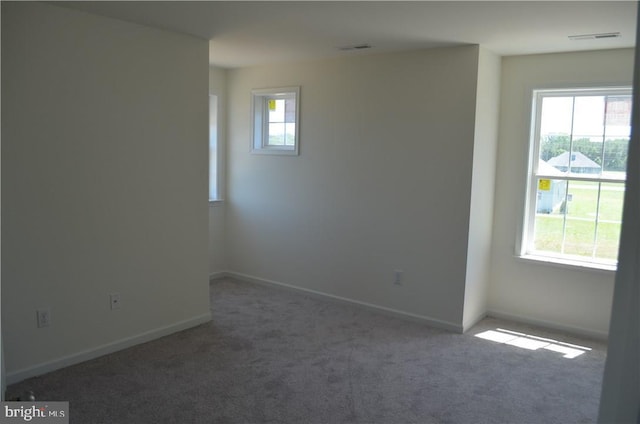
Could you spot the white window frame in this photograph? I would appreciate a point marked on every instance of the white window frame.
(260, 125)
(525, 246)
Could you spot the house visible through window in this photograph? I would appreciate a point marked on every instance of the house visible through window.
(275, 121)
(577, 175)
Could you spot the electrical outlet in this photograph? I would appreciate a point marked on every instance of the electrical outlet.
(398, 277)
(44, 317)
(114, 299)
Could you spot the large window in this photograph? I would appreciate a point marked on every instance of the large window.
(577, 174)
(275, 121)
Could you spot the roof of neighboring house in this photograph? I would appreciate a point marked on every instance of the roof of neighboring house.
(545, 169)
(578, 160)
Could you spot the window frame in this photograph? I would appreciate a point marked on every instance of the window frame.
(524, 245)
(260, 123)
(215, 159)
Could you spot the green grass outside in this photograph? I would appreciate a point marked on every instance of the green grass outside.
(581, 222)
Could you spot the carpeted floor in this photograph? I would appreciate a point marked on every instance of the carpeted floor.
(275, 356)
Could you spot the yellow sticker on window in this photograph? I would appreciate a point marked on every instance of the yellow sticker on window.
(272, 105)
(544, 185)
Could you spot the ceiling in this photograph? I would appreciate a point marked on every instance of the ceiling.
(252, 33)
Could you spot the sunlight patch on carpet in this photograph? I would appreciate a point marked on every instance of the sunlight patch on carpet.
(530, 342)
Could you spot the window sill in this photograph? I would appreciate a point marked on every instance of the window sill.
(274, 151)
(215, 202)
(568, 264)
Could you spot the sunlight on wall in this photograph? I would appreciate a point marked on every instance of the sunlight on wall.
(527, 341)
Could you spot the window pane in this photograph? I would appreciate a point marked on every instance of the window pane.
(276, 134)
(617, 132)
(290, 110)
(557, 114)
(615, 158)
(554, 150)
(548, 233)
(551, 195)
(588, 132)
(555, 132)
(608, 241)
(611, 201)
(586, 156)
(276, 110)
(581, 213)
(609, 220)
(290, 134)
(549, 220)
(618, 117)
(588, 117)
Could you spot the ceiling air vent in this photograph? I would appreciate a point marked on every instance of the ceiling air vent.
(594, 36)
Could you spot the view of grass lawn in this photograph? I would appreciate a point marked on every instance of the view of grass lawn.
(580, 236)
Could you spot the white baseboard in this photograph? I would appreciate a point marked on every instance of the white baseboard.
(76, 358)
(433, 322)
(578, 331)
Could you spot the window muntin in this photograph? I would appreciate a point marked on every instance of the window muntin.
(275, 121)
(578, 171)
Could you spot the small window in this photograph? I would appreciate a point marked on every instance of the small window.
(275, 121)
(576, 183)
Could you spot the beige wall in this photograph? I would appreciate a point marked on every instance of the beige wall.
(575, 299)
(383, 180)
(104, 184)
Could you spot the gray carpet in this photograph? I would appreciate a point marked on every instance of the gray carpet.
(274, 356)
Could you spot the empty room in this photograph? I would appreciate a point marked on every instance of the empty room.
(320, 212)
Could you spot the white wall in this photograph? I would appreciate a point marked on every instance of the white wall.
(104, 184)
(383, 180)
(570, 298)
(482, 188)
(217, 245)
